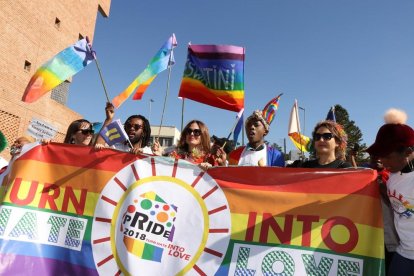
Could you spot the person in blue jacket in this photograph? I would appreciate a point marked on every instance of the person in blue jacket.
(256, 152)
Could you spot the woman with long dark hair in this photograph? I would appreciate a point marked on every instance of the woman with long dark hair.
(80, 132)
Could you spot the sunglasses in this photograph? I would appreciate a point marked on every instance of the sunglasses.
(87, 131)
(326, 136)
(136, 126)
(195, 132)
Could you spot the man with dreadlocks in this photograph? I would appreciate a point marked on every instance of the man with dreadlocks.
(138, 129)
(256, 152)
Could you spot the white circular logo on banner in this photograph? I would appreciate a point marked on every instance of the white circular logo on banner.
(160, 219)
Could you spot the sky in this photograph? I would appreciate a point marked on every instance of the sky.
(356, 53)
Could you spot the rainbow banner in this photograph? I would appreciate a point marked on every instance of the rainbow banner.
(214, 75)
(71, 210)
(160, 62)
(60, 68)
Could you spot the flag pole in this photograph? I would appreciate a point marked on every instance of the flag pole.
(231, 131)
(166, 91)
(300, 136)
(182, 114)
(98, 67)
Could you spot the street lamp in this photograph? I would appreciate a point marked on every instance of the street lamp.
(304, 119)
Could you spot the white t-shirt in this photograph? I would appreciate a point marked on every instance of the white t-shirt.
(251, 157)
(127, 148)
(401, 194)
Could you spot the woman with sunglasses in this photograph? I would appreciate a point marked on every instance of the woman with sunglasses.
(79, 132)
(329, 142)
(194, 145)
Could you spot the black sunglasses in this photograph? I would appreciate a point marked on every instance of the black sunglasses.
(326, 136)
(87, 131)
(136, 126)
(196, 132)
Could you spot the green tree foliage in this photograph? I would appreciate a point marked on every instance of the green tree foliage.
(353, 132)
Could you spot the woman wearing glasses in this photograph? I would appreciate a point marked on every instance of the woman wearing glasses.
(79, 132)
(329, 142)
(194, 145)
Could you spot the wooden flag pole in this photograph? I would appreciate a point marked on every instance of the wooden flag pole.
(99, 69)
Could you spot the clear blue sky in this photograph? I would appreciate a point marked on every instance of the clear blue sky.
(356, 53)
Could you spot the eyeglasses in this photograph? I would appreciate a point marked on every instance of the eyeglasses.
(326, 136)
(87, 131)
(195, 132)
(135, 126)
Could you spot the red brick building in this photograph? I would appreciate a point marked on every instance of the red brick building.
(32, 32)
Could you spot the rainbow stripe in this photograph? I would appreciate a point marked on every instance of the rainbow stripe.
(214, 75)
(60, 68)
(270, 109)
(275, 205)
(160, 62)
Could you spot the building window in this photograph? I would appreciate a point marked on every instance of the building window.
(57, 23)
(27, 66)
(60, 92)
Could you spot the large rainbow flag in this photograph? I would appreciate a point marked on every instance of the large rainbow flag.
(60, 68)
(214, 75)
(71, 210)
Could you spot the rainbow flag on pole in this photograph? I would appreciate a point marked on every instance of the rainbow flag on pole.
(269, 111)
(214, 75)
(160, 62)
(60, 68)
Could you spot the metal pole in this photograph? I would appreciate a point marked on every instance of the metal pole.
(149, 116)
(304, 119)
(182, 114)
(166, 91)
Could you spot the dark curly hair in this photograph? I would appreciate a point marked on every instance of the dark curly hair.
(146, 131)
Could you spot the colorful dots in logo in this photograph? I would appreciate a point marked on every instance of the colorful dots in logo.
(146, 204)
(166, 207)
(162, 217)
(131, 209)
